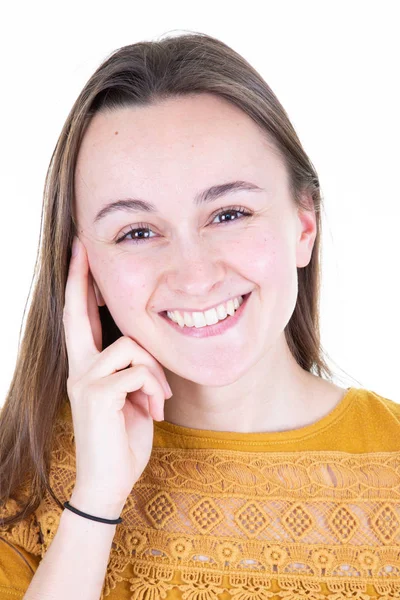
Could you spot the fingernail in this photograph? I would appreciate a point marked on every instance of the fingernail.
(95, 293)
(75, 246)
(169, 389)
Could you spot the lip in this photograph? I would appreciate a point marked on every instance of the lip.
(210, 330)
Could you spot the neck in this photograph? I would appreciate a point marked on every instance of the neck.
(275, 394)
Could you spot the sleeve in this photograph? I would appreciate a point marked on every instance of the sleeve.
(20, 554)
(17, 568)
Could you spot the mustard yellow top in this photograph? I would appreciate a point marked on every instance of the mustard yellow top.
(309, 513)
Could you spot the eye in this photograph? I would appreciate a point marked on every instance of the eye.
(143, 227)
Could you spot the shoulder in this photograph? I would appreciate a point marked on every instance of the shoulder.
(376, 419)
(20, 550)
(376, 402)
(24, 533)
(17, 566)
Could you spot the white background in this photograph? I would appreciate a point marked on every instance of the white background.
(335, 68)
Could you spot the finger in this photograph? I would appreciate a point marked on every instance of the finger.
(129, 383)
(99, 298)
(149, 403)
(123, 353)
(79, 338)
(94, 315)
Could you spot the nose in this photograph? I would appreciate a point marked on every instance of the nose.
(195, 269)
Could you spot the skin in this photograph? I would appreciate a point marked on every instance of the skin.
(245, 380)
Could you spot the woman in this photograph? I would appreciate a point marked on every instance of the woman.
(194, 278)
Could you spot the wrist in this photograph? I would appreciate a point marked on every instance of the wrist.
(95, 506)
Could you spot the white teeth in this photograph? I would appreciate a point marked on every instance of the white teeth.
(199, 319)
(188, 319)
(230, 308)
(209, 317)
(221, 311)
(179, 318)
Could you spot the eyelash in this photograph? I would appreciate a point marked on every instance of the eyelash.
(142, 226)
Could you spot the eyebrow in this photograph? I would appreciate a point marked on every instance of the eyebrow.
(204, 197)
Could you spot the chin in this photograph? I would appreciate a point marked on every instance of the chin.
(210, 377)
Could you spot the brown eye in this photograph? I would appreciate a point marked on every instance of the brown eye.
(233, 210)
(142, 227)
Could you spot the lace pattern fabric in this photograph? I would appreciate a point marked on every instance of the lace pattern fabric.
(202, 524)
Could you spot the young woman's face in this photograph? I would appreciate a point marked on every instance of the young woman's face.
(185, 255)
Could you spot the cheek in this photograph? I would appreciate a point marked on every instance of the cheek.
(273, 269)
(127, 288)
(123, 279)
(268, 260)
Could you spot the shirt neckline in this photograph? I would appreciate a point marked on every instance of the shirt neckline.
(268, 436)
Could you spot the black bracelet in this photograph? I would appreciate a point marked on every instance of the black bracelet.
(82, 514)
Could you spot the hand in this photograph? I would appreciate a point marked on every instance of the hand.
(115, 394)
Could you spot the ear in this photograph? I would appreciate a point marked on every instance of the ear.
(99, 297)
(306, 232)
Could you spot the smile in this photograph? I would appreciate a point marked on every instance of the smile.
(201, 330)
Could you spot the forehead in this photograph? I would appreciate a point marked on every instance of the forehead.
(181, 144)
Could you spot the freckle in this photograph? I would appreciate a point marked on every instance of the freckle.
(116, 133)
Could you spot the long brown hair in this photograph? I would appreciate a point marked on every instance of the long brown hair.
(135, 75)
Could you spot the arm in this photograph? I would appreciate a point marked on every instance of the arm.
(76, 561)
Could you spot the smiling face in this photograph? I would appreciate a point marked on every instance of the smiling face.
(186, 253)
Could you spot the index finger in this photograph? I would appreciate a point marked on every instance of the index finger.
(79, 339)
